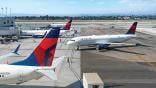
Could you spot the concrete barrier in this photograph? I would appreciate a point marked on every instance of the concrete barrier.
(92, 80)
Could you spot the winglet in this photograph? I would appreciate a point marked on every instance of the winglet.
(132, 29)
(16, 49)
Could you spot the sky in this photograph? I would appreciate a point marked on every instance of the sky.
(80, 7)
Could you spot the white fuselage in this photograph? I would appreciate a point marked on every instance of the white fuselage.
(99, 39)
(38, 32)
(12, 74)
(57, 25)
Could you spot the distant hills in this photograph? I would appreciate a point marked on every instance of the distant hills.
(112, 14)
(23, 16)
(47, 17)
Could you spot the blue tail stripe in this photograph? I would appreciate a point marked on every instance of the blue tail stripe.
(53, 34)
(26, 62)
(47, 54)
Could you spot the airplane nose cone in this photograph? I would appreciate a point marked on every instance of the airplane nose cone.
(70, 43)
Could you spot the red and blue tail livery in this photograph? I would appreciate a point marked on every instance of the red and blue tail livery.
(132, 29)
(68, 24)
(43, 54)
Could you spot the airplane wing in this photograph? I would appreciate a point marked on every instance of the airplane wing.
(11, 54)
(6, 55)
(102, 42)
(15, 51)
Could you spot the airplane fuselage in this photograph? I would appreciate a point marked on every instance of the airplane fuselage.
(12, 74)
(97, 39)
(39, 63)
(38, 32)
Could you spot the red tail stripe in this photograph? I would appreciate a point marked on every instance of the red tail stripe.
(41, 49)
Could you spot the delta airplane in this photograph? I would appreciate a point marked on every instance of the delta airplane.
(103, 41)
(39, 63)
(41, 33)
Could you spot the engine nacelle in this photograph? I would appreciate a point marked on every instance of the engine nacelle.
(101, 46)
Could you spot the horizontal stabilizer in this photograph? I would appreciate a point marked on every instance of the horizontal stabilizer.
(48, 73)
(57, 61)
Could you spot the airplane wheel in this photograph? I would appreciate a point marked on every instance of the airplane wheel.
(97, 47)
(77, 48)
(138, 44)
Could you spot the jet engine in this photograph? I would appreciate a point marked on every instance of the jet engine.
(102, 46)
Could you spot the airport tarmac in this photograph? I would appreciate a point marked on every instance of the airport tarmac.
(121, 67)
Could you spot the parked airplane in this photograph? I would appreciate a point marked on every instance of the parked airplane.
(39, 63)
(103, 41)
(42, 33)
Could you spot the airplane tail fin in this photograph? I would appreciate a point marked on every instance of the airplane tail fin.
(43, 54)
(132, 29)
(15, 51)
(68, 24)
(44, 34)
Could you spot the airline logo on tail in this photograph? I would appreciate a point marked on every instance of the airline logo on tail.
(44, 53)
(132, 29)
(68, 24)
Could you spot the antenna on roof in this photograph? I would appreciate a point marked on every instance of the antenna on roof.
(2, 11)
(10, 12)
(6, 11)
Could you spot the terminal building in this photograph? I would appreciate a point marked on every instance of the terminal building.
(8, 29)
